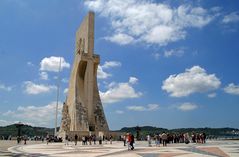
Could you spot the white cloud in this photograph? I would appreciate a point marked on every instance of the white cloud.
(119, 91)
(52, 64)
(121, 39)
(149, 107)
(149, 22)
(111, 64)
(34, 89)
(136, 108)
(66, 90)
(43, 75)
(212, 95)
(187, 107)
(5, 88)
(232, 89)
(101, 74)
(119, 112)
(152, 107)
(231, 18)
(36, 115)
(191, 81)
(174, 52)
(133, 80)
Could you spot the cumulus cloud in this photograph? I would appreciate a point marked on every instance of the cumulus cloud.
(52, 64)
(120, 38)
(149, 107)
(232, 89)
(148, 21)
(193, 80)
(34, 89)
(187, 107)
(111, 64)
(35, 115)
(43, 75)
(231, 18)
(120, 91)
(133, 80)
(5, 88)
(102, 74)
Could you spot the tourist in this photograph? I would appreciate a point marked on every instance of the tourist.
(18, 139)
(128, 140)
(132, 142)
(42, 139)
(149, 140)
(100, 140)
(90, 139)
(124, 139)
(193, 138)
(83, 140)
(186, 138)
(111, 139)
(157, 140)
(25, 140)
(76, 138)
(94, 139)
(203, 137)
(66, 140)
(164, 138)
(47, 139)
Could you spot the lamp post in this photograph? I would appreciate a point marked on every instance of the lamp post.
(57, 98)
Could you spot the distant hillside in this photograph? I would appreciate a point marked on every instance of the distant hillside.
(217, 132)
(25, 130)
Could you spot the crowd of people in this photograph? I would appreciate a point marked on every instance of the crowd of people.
(89, 140)
(128, 139)
(166, 138)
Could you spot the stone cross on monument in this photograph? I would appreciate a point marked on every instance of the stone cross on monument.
(83, 111)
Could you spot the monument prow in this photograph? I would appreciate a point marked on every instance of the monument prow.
(83, 110)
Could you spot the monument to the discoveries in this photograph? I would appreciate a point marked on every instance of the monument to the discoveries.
(82, 111)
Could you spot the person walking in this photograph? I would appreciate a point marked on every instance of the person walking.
(124, 139)
(76, 138)
(132, 142)
(47, 139)
(111, 138)
(66, 140)
(149, 140)
(164, 138)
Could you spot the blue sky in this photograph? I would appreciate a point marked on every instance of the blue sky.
(163, 63)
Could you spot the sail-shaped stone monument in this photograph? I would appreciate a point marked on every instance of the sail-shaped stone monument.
(83, 111)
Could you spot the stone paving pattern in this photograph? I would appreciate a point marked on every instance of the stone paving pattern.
(210, 149)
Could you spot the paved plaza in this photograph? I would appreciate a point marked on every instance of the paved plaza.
(210, 149)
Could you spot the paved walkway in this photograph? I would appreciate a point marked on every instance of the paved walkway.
(210, 149)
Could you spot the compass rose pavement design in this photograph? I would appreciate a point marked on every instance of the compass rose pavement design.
(210, 149)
